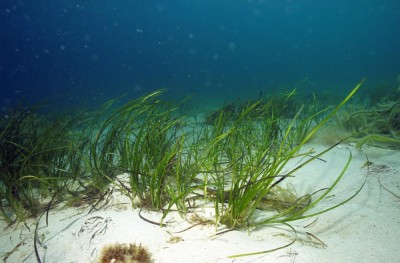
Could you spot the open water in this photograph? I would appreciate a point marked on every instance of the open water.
(70, 52)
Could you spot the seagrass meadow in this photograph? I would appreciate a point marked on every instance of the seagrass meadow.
(199, 131)
(233, 161)
(239, 151)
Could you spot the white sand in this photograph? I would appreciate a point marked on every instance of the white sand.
(367, 229)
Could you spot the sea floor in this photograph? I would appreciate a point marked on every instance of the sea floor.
(366, 229)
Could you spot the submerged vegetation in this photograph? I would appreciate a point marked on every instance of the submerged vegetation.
(38, 158)
(379, 125)
(124, 253)
(235, 159)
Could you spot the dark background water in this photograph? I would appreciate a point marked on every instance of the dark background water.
(86, 52)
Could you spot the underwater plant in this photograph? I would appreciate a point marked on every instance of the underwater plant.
(240, 154)
(379, 126)
(124, 253)
(246, 160)
(235, 160)
(38, 157)
(144, 139)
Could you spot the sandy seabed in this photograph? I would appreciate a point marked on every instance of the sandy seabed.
(366, 229)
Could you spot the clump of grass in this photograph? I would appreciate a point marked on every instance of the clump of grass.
(253, 155)
(144, 138)
(38, 157)
(379, 126)
(236, 159)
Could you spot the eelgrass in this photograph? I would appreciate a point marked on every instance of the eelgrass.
(236, 160)
(241, 156)
(248, 192)
(38, 157)
(379, 139)
(378, 126)
(143, 138)
(254, 165)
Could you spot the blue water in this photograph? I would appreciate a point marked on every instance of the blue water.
(87, 52)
